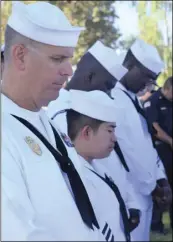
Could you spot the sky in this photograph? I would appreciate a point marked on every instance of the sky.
(125, 13)
(128, 19)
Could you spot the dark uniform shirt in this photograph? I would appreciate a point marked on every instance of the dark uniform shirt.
(159, 109)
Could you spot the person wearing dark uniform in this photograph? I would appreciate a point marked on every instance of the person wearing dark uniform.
(159, 112)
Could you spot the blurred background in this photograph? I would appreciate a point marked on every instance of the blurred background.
(117, 24)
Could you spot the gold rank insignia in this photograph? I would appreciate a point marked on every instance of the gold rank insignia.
(34, 147)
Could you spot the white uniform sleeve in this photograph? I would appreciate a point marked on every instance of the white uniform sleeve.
(18, 220)
(132, 201)
(160, 170)
(136, 155)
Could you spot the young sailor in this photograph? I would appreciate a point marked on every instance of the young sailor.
(92, 133)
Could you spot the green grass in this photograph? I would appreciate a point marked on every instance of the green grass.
(158, 237)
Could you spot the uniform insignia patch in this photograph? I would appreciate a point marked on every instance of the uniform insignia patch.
(147, 104)
(67, 140)
(34, 146)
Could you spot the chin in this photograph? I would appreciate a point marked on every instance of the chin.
(105, 155)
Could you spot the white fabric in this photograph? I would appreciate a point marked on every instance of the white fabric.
(161, 173)
(120, 177)
(108, 58)
(142, 232)
(59, 105)
(136, 144)
(147, 55)
(94, 104)
(36, 198)
(43, 22)
(2, 48)
(104, 201)
(111, 163)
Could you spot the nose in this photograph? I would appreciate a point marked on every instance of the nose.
(66, 69)
(114, 139)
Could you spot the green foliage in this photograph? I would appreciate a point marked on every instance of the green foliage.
(150, 15)
(97, 17)
(5, 12)
(151, 32)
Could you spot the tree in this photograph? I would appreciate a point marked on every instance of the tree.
(97, 17)
(5, 12)
(158, 35)
(126, 43)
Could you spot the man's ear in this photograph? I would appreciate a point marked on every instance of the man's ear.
(86, 132)
(18, 53)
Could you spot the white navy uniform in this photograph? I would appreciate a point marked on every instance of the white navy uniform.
(120, 176)
(105, 203)
(32, 184)
(136, 144)
(56, 110)
(111, 166)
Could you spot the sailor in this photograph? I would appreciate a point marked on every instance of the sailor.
(43, 194)
(97, 71)
(91, 131)
(134, 134)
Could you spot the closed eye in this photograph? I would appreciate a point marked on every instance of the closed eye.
(59, 59)
(112, 129)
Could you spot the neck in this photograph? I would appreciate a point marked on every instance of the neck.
(85, 156)
(18, 94)
(82, 152)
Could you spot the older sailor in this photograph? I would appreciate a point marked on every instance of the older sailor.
(43, 195)
(134, 134)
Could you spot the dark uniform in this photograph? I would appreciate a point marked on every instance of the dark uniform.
(159, 109)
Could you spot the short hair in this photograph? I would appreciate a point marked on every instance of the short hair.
(11, 38)
(91, 75)
(77, 121)
(168, 83)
